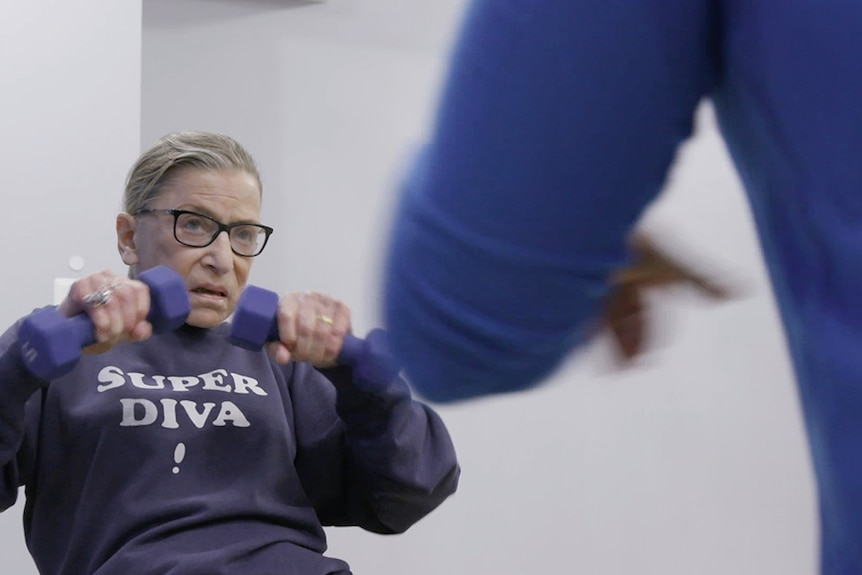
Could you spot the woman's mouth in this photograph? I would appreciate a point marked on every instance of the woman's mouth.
(210, 293)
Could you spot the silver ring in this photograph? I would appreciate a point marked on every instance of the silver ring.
(100, 297)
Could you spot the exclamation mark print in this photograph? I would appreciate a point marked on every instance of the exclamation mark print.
(179, 455)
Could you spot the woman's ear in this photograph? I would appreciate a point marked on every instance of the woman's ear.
(126, 226)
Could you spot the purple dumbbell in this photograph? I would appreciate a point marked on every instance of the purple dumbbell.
(51, 343)
(254, 324)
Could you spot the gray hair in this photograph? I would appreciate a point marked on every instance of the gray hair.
(179, 150)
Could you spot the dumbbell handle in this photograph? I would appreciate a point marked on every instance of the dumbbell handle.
(81, 326)
(51, 343)
(369, 357)
(82, 330)
(351, 347)
(255, 323)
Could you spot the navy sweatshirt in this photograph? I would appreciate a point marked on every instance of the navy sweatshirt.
(184, 454)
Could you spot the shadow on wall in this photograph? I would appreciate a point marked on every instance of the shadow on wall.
(178, 14)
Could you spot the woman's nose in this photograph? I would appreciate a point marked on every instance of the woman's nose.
(221, 253)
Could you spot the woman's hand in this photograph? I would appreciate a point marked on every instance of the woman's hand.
(117, 306)
(311, 328)
(625, 313)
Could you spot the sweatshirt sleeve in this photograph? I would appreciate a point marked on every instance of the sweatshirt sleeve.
(18, 410)
(369, 455)
(557, 124)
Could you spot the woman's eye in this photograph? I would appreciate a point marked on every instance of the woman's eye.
(192, 223)
(245, 234)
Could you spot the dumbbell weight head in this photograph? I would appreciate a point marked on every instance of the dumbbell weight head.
(254, 319)
(51, 343)
(169, 298)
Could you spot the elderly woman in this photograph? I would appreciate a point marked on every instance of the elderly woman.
(181, 453)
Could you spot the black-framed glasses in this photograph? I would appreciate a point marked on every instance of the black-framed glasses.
(198, 231)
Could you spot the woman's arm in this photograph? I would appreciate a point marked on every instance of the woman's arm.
(19, 407)
(368, 454)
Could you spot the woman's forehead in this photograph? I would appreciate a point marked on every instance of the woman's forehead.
(219, 190)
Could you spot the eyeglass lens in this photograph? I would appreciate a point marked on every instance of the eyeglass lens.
(198, 231)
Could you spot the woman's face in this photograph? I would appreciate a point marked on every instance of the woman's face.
(214, 275)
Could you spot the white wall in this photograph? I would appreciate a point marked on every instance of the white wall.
(70, 92)
(693, 463)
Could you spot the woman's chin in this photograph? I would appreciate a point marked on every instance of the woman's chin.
(206, 318)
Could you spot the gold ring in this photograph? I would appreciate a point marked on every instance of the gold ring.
(325, 319)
